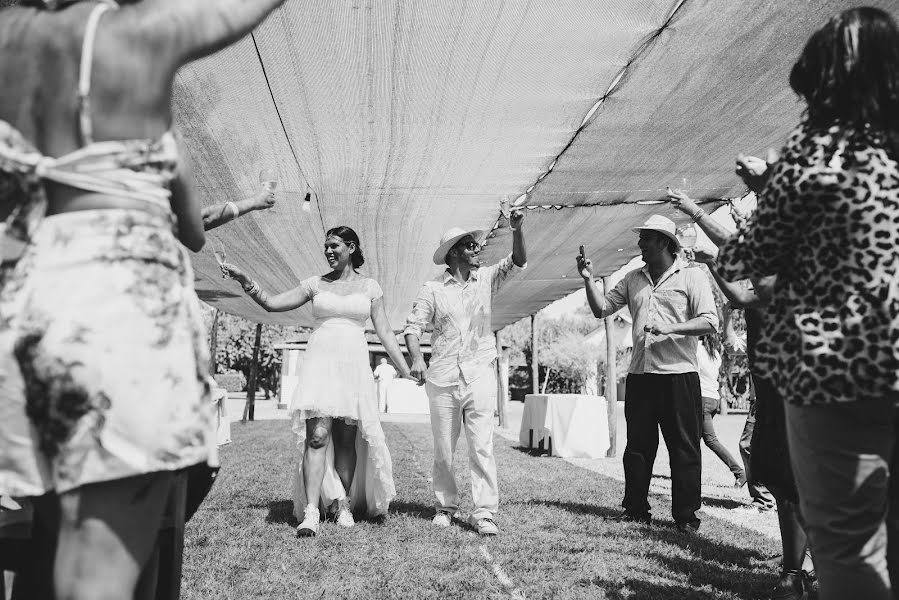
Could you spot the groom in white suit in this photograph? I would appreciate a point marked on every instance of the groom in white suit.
(461, 379)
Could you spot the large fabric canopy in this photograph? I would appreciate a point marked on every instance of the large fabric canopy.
(403, 118)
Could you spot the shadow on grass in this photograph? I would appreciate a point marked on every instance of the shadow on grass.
(579, 508)
(704, 562)
(723, 502)
(646, 590)
(281, 511)
(535, 451)
(703, 549)
(412, 509)
(720, 575)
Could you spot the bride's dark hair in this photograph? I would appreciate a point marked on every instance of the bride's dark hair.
(348, 235)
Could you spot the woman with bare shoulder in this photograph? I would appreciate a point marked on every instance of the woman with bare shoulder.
(103, 374)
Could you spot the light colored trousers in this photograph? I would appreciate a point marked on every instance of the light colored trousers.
(841, 455)
(382, 395)
(472, 405)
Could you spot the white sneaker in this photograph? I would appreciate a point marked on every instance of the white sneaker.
(344, 514)
(442, 519)
(309, 526)
(484, 525)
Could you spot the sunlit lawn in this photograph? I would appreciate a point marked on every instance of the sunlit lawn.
(555, 541)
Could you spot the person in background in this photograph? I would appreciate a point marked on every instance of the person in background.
(708, 356)
(671, 306)
(384, 375)
(825, 225)
(763, 443)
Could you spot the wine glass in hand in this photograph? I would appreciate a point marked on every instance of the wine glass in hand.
(218, 249)
(234, 272)
(269, 179)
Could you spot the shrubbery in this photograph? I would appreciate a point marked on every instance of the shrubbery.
(232, 382)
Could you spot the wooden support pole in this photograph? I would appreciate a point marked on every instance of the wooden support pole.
(502, 382)
(214, 342)
(611, 377)
(535, 361)
(248, 408)
(285, 361)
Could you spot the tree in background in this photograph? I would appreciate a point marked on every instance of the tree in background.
(236, 337)
(567, 362)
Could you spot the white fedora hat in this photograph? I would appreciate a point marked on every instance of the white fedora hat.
(449, 239)
(661, 224)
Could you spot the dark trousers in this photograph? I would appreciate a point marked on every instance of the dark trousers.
(710, 408)
(674, 403)
(761, 497)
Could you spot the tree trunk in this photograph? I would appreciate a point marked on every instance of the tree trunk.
(214, 342)
(249, 407)
(611, 391)
(535, 362)
(502, 381)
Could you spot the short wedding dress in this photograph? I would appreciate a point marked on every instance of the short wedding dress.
(335, 380)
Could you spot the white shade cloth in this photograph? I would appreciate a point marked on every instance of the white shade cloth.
(407, 118)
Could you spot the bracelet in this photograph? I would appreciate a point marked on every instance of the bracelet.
(252, 289)
(697, 215)
(235, 212)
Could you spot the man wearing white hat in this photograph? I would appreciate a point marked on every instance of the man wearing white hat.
(461, 379)
(671, 306)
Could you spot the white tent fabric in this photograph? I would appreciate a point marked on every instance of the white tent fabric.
(406, 118)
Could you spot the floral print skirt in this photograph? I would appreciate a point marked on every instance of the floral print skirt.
(103, 355)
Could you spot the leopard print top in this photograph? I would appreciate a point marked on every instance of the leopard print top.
(827, 224)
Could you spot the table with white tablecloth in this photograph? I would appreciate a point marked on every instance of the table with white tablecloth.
(568, 425)
(405, 396)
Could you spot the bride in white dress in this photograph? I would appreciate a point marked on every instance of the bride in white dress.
(343, 456)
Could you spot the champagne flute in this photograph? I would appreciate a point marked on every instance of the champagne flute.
(269, 179)
(504, 205)
(218, 249)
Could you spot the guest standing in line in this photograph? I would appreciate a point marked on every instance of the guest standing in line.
(708, 356)
(672, 306)
(103, 376)
(826, 226)
(763, 443)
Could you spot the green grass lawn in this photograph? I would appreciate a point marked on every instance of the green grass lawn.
(554, 542)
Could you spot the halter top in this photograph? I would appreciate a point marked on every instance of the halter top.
(140, 169)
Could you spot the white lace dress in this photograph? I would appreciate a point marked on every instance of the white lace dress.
(335, 380)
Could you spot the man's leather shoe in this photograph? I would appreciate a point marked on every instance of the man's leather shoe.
(687, 526)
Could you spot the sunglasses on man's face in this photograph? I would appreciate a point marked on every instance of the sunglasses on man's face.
(469, 245)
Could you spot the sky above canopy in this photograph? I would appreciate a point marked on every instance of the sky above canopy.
(404, 118)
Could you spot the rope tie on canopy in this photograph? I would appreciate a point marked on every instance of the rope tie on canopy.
(587, 120)
(616, 82)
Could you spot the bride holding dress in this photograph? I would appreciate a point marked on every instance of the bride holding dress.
(343, 455)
